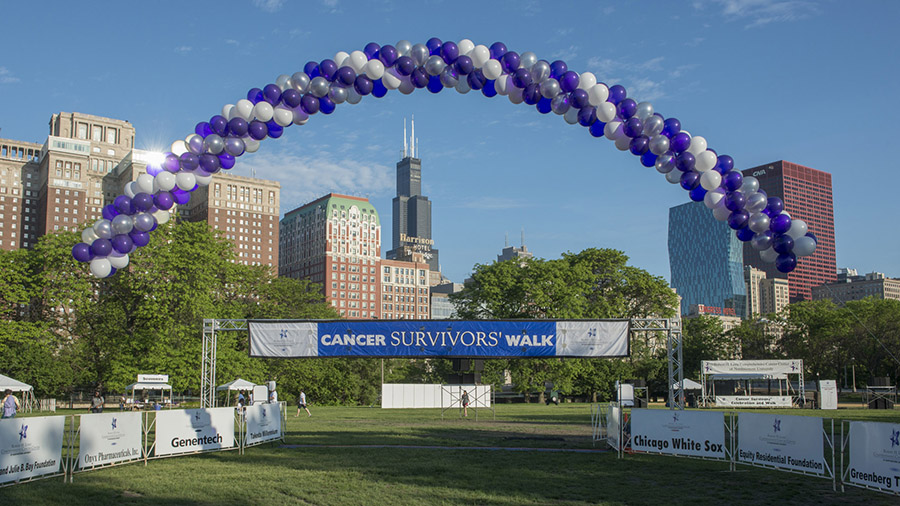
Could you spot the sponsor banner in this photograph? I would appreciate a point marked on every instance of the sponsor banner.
(875, 455)
(30, 447)
(828, 394)
(788, 442)
(194, 430)
(676, 432)
(153, 378)
(436, 338)
(107, 438)
(753, 401)
(612, 426)
(762, 367)
(263, 423)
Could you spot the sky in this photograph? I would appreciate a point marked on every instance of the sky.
(762, 80)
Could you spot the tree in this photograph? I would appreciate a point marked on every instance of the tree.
(704, 338)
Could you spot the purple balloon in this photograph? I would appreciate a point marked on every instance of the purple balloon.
(388, 55)
(328, 69)
(672, 127)
(203, 129)
(309, 104)
(465, 65)
(521, 78)
(272, 94)
(346, 76)
(434, 46)
(153, 170)
(732, 180)
(633, 127)
(226, 160)
(786, 262)
(738, 220)
(724, 163)
(123, 204)
(558, 68)
(780, 223)
(275, 130)
(139, 238)
(775, 206)
(406, 65)
(531, 94)
(309, 68)
(209, 163)
(680, 142)
(171, 163)
(189, 161)
(568, 82)
(498, 49)
(685, 161)
(587, 116)
(109, 212)
(735, 200)
(219, 125)
(142, 201)
(370, 50)
(326, 106)
(511, 61)
(181, 197)
(745, 234)
(239, 126)
(164, 200)
(639, 145)
(690, 180)
(258, 130)
(255, 95)
(783, 243)
(122, 243)
(617, 94)
(476, 80)
(363, 84)
(101, 247)
(82, 252)
(626, 108)
(578, 98)
(449, 52)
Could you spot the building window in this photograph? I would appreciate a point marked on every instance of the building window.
(111, 135)
(97, 133)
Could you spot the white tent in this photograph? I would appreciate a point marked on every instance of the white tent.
(152, 387)
(690, 384)
(7, 383)
(233, 386)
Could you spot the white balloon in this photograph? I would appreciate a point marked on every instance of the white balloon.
(720, 212)
(769, 255)
(710, 180)
(516, 95)
(705, 161)
(391, 79)
(798, 229)
(227, 110)
(374, 69)
(598, 94)
(165, 181)
(178, 148)
(100, 267)
(804, 246)
(606, 112)
(244, 108)
(492, 69)
(698, 145)
(358, 61)
(145, 183)
(203, 180)
(162, 216)
(712, 197)
(283, 116)
(263, 111)
(299, 116)
(119, 262)
(465, 46)
(571, 116)
(587, 80)
(503, 85)
(480, 55)
(340, 58)
(128, 190)
(613, 130)
(251, 145)
(88, 235)
(185, 181)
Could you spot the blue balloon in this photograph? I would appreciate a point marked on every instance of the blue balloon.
(255, 95)
(489, 89)
(219, 124)
(596, 129)
(724, 163)
(783, 243)
(648, 159)
(434, 84)
(738, 220)
(633, 126)
(786, 262)
(531, 95)
(510, 62)
(109, 212)
(309, 104)
(327, 68)
(326, 106)
(690, 180)
(498, 49)
(639, 145)
(388, 55)
(735, 200)
(544, 105)
(405, 65)
(745, 234)
(123, 204)
(139, 238)
(239, 126)
(465, 65)
(364, 85)
(274, 129)
(420, 78)
(680, 142)
(626, 108)
(732, 180)
(579, 99)
(371, 50)
(203, 129)
(226, 160)
(587, 116)
(476, 79)
(309, 68)
(775, 206)
(82, 252)
(346, 75)
(258, 129)
(558, 68)
(290, 97)
(142, 201)
(449, 52)
(697, 194)
(378, 89)
(101, 247)
(780, 224)
(685, 161)
(434, 45)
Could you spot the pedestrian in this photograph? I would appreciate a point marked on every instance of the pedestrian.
(10, 404)
(97, 402)
(301, 404)
(464, 400)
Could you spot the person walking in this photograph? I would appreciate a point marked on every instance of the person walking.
(301, 404)
(10, 404)
(97, 402)
(464, 400)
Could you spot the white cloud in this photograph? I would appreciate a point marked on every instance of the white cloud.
(763, 12)
(566, 54)
(6, 76)
(494, 204)
(183, 49)
(269, 5)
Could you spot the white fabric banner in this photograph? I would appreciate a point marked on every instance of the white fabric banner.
(753, 401)
(109, 437)
(591, 339)
(828, 394)
(284, 339)
(676, 432)
(263, 422)
(875, 455)
(193, 430)
(612, 426)
(769, 367)
(788, 442)
(30, 447)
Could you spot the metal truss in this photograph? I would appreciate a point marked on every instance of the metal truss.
(208, 372)
(672, 328)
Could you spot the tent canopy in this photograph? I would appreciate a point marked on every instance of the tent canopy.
(148, 386)
(238, 384)
(16, 386)
(690, 385)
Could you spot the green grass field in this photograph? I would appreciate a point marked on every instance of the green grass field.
(332, 458)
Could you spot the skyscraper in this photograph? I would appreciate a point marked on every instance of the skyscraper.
(411, 231)
(706, 260)
(807, 196)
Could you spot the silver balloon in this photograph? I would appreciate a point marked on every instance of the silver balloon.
(449, 77)
(300, 82)
(756, 202)
(560, 103)
(527, 60)
(540, 71)
(338, 95)
(712, 198)
(403, 47)
(761, 242)
(550, 88)
(653, 125)
(319, 86)
(463, 86)
(720, 212)
(665, 163)
(750, 185)
(214, 144)
(804, 246)
(768, 255)
(88, 235)
(419, 53)
(103, 229)
(674, 176)
(353, 96)
(144, 221)
(434, 65)
(659, 144)
(644, 110)
(571, 116)
(122, 224)
(623, 143)
(250, 144)
(234, 146)
(759, 222)
(282, 81)
(194, 144)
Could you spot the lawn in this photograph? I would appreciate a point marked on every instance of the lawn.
(528, 455)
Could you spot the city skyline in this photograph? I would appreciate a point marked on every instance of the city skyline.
(757, 79)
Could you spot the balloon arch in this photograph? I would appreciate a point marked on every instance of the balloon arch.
(604, 111)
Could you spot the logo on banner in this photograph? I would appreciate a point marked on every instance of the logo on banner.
(895, 438)
(114, 424)
(777, 425)
(23, 432)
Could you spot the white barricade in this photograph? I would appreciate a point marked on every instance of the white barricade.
(108, 438)
(263, 423)
(874, 456)
(194, 430)
(31, 447)
(792, 443)
(676, 432)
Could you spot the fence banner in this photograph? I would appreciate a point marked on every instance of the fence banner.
(612, 426)
(753, 401)
(30, 447)
(676, 432)
(107, 438)
(828, 394)
(789, 442)
(194, 430)
(263, 422)
(875, 455)
(439, 338)
(755, 367)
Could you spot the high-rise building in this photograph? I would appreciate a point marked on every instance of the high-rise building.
(19, 189)
(411, 219)
(752, 277)
(404, 290)
(441, 307)
(856, 287)
(511, 252)
(706, 260)
(774, 295)
(335, 241)
(807, 196)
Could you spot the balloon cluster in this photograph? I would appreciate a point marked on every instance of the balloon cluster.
(605, 111)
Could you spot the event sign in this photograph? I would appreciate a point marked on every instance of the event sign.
(828, 394)
(875, 455)
(263, 422)
(677, 432)
(194, 430)
(153, 378)
(30, 447)
(755, 367)
(788, 442)
(753, 401)
(613, 429)
(431, 338)
(107, 438)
